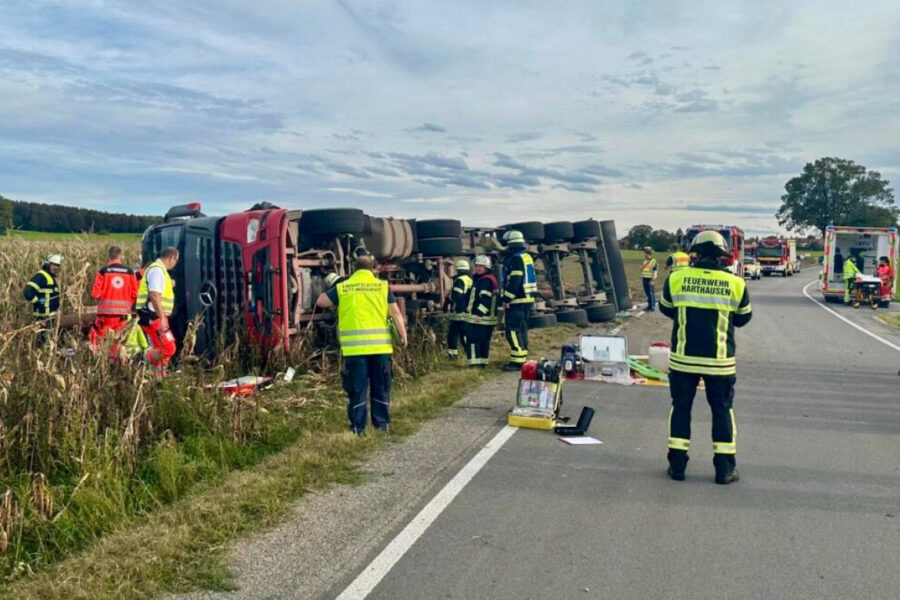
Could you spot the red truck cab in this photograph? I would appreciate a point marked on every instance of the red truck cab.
(734, 239)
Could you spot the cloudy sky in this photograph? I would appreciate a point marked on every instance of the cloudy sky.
(659, 112)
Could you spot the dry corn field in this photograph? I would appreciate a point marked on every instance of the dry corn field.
(86, 445)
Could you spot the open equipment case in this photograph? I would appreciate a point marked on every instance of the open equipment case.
(538, 397)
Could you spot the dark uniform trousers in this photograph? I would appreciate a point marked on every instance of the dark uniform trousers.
(650, 292)
(456, 337)
(367, 373)
(478, 343)
(720, 396)
(516, 326)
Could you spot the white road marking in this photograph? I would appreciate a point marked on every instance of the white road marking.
(372, 575)
(616, 330)
(848, 321)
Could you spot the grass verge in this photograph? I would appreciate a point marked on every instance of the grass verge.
(891, 319)
(182, 546)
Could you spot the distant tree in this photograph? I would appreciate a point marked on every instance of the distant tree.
(661, 240)
(639, 236)
(836, 191)
(6, 214)
(679, 236)
(31, 216)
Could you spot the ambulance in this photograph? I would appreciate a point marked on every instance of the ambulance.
(866, 245)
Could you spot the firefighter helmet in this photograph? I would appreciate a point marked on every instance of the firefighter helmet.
(461, 265)
(514, 237)
(709, 242)
(53, 259)
(483, 261)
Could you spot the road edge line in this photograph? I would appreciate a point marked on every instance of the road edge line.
(372, 575)
(848, 321)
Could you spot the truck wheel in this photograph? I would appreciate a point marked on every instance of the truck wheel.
(532, 231)
(560, 231)
(790, 273)
(542, 320)
(575, 316)
(601, 313)
(332, 221)
(585, 229)
(441, 246)
(438, 228)
(784, 273)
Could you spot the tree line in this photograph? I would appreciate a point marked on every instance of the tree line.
(55, 218)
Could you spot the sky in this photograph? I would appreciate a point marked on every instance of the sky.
(662, 112)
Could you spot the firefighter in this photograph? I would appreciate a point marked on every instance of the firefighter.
(481, 313)
(364, 305)
(115, 289)
(849, 275)
(155, 304)
(519, 287)
(706, 303)
(42, 291)
(679, 259)
(458, 304)
(649, 270)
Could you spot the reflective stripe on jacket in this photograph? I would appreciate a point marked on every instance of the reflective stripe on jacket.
(706, 304)
(167, 298)
(363, 315)
(116, 288)
(519, 279)
(459, 297)
(680, 260)
(483, 300)
(649, 268)
(42, 291)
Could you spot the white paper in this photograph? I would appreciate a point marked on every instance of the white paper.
(580, 440)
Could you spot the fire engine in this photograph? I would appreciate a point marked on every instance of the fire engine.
(734, 238)
(776, 255)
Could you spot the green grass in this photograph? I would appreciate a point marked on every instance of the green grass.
(65, 237)
(220, 491)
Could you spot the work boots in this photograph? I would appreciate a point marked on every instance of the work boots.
(511, 366)
(726, 469)
(678, 460)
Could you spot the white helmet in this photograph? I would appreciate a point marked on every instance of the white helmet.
(53, 259)
(461, 265)
(483, 261)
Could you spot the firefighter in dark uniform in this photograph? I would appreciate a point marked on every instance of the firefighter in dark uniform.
(519, 287)
(481, 317)
(42, 291)
(706, 303)
(458, 305)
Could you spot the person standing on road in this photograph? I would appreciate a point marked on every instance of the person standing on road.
(364, 305)
(705, 303)
(519, 287)
(849, 273)
(115, 289)
(481, 313)
(649, 270)
(886, 274)
(155, 304)
(458, 304)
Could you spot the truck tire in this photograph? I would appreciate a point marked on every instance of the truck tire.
(542, 320)
(585, 229)
(438, 228)
(601, 313)
(575, 316)
(332, 221)
(441, 246)
(559, 231)
(532, 231)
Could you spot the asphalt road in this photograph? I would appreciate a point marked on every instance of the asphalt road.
(816, 514)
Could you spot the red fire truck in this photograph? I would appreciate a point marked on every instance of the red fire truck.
(774, 256)
(734, 237)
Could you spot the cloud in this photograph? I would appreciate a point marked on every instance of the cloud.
(430, 128)
(738, 208)
(524, 136)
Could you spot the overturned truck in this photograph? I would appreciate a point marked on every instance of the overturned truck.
(261, 270)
